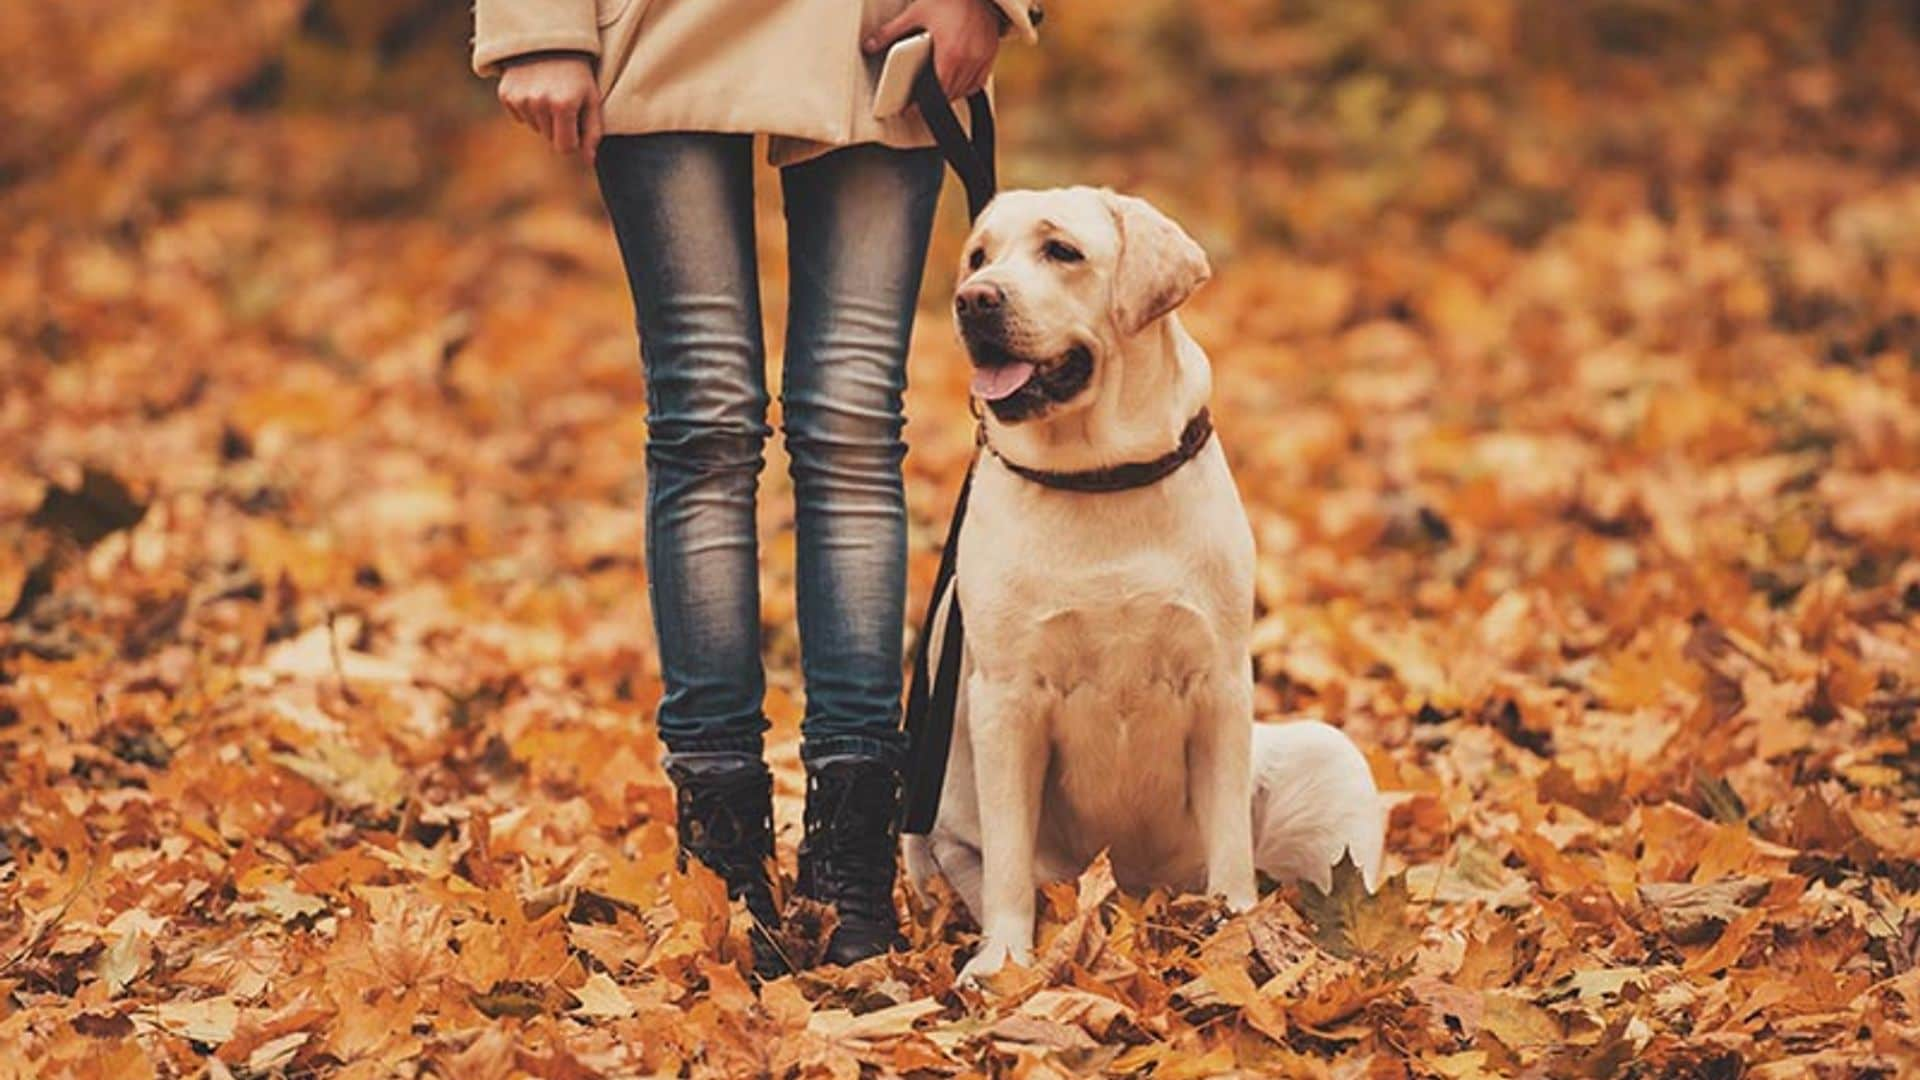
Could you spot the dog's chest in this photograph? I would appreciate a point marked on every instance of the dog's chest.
(1115, 639)
(1112, 608)
(1119, 684)
(1121, 708)
(1112, 624)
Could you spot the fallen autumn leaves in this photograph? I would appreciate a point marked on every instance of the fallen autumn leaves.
(1568, 361)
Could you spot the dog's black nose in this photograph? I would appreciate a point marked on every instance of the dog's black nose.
(978, 298)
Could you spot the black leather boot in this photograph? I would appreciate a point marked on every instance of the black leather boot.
(724, 807)
(850, 852)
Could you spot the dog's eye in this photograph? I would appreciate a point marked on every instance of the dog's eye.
(1059, 252)
(977, 259)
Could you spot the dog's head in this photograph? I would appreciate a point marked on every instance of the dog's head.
(1053, 284)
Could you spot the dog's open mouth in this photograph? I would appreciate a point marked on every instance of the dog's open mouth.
(1016, 388)
(998, 373)
(1001, 380)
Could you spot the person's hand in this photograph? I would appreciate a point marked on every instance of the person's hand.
(555, 95)
(966, 37)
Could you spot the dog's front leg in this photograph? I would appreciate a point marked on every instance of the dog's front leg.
(1009, 746)
(1220, 778)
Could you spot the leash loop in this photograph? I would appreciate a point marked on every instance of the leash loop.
(972, 160)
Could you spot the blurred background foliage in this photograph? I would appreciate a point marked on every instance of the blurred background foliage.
(1288, 120)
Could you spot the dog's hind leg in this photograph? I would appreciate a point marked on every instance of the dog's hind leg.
(949, 857)
(917, 853)
(960, 865)
(1313, 799)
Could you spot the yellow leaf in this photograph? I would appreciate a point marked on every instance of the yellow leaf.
(209, 1021)
(601, 999)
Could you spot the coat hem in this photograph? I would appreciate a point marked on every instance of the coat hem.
(787, 144)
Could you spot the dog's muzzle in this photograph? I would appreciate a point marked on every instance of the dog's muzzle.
(1014, 385)
(1016, 389)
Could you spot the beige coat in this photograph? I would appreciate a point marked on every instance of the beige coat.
(791, 69)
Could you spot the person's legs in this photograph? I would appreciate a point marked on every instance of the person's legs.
(682, 209)
(857, 223)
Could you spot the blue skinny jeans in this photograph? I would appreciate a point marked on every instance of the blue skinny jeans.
(858, 220)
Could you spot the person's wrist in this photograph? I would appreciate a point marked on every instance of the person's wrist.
(999, 15)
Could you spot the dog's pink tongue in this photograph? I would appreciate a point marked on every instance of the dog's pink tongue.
(1000, 380)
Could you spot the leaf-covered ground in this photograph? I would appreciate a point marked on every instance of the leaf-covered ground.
(1568, 356)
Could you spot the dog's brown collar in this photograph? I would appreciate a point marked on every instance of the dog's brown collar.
(1126, 477)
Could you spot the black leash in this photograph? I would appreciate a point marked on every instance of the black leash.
(972, 159)
(933, 696)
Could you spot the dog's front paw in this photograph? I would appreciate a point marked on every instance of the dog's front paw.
(987, 962)
(1236, 897)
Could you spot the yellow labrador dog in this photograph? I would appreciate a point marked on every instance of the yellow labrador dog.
(1106, 570)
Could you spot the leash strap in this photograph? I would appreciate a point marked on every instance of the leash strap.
(972, 160)
(933, 695)
(933, 698)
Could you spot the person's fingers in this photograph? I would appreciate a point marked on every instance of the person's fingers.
(592, 127)
(515, 99)
(896, 28)
(566, 126)
(539, 119)
(976, 77)
(948, 69)
(966, 77)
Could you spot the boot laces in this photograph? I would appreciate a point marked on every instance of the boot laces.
(852, 840)
(725, 823)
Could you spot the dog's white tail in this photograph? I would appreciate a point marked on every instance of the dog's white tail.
(1313, 799)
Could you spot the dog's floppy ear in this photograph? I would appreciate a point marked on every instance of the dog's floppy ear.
(1159, 265)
